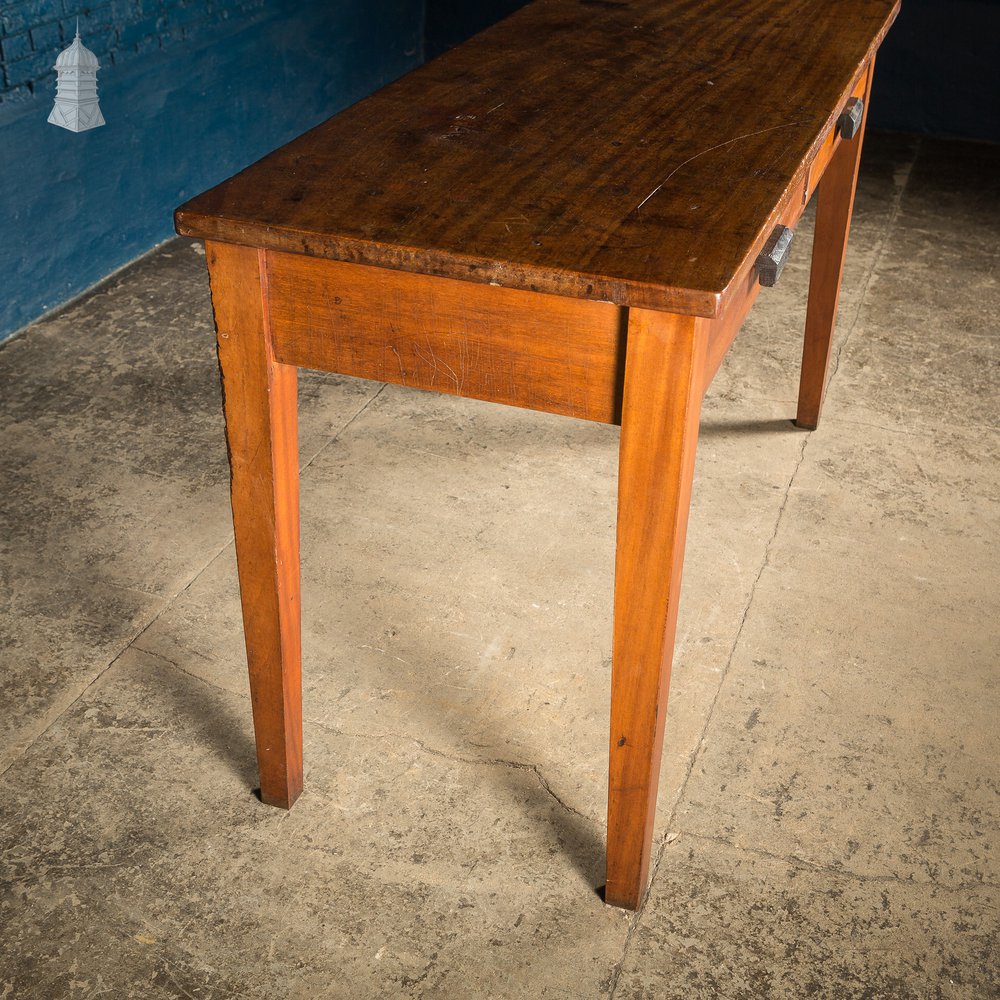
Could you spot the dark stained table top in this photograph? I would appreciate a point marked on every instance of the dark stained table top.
(621, 150)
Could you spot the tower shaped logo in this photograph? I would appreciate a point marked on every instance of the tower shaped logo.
(76, 106)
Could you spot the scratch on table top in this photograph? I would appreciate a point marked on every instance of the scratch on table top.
(718, 145)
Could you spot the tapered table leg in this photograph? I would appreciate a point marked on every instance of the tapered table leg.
(664, 373)
(835, 202)
(262, 429)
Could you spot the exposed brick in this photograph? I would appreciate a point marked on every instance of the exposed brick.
(124, 11)
(29, 70)
(15, 47)
(94, 20)
(100, 41)
(133, 34)
(16, 95)
(148, 44)
(115, 30)
(46, 36)
(20, 16)
(180, 16)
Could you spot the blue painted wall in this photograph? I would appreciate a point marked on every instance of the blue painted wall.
(192, 92)
(937, 71)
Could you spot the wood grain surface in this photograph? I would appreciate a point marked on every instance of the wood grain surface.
(262, 430)
(831, 143)
(622, 151)
(664, 373)
(543, 352)
(834, 207)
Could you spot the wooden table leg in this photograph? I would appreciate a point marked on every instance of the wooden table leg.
(835, 201)
(262, 429)
(664, 373)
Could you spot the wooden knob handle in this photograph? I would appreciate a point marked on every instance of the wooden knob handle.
(849, 122)
(771, 261)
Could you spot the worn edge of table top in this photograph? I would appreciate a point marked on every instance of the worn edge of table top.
(549, 103)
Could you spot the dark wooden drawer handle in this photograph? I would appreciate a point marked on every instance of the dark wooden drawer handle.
(771, 261)
(849, 122)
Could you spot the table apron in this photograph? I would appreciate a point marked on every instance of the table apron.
(528, 349)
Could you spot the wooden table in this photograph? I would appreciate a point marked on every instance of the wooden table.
(566, 213)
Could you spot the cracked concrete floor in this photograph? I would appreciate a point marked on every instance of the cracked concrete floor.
(828, 808)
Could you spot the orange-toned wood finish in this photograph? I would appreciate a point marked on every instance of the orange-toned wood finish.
(834, 206)
(833, 140)
(563, 214)
(626, 151)
(450, 336)
(262, 428)
(664, 371)
(743, 292)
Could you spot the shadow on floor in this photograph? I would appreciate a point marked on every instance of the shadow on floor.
(747, 428)
(214, 725)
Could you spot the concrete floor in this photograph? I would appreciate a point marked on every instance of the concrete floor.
(828, 809)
